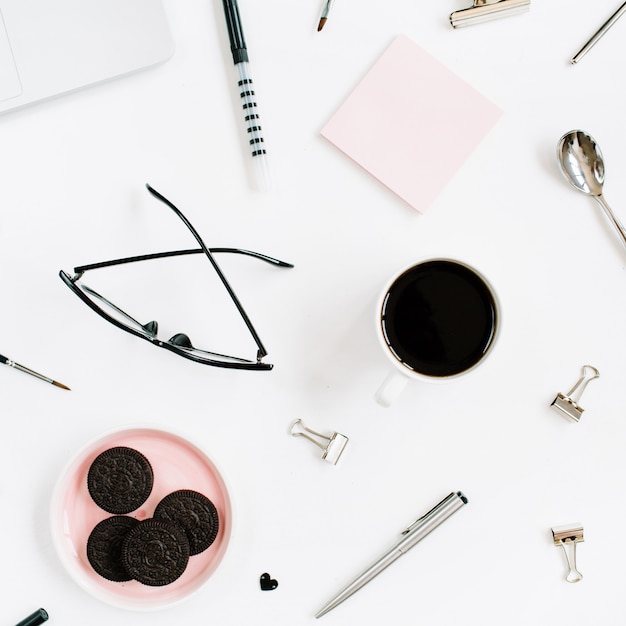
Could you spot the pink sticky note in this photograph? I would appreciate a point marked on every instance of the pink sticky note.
(411, 122)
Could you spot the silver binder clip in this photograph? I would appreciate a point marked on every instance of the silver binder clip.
(485, 10)
(334, 446)
(567, 404)
(567, 537)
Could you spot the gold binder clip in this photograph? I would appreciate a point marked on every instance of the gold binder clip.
(567, 537)
(334, 446)
(567, 404)
(485, 10)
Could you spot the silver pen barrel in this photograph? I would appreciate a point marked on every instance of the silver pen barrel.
(599, 34)
(411, 536)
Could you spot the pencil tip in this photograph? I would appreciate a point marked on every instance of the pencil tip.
(61, 385)
(321, 24)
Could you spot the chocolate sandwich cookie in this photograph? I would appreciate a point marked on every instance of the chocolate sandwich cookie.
(120, 480)
(104, 547)
(193, 512)
(155, 552)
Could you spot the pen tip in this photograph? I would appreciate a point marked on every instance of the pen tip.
(61, 385)
(321, 24)
(325, 610)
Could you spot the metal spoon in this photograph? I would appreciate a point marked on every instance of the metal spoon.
(582, 165)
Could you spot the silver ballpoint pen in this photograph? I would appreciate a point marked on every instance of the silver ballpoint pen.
(410, 537)
(599, 34)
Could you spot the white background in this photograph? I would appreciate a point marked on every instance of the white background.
(72, 192)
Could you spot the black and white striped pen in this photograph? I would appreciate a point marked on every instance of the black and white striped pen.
(246, 92)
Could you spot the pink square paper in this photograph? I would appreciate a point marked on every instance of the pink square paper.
(411, 123)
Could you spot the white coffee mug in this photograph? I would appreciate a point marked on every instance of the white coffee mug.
(436, 319)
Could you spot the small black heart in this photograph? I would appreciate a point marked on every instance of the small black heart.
(267, 583)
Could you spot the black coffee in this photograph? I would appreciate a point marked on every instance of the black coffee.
(439, 318)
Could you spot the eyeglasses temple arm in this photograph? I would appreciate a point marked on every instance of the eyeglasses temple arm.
(256, 255)
(261, 349)
(161, 255)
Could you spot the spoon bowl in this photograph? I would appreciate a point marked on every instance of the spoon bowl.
(581, 162)
(582, 165)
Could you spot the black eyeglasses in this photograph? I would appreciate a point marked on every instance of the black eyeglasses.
(180, 343)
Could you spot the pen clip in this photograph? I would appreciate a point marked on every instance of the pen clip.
(416, 523)
(420, 520)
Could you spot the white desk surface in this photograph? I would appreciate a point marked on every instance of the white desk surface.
(72, 192)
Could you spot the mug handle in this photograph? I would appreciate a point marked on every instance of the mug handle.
(391, 388)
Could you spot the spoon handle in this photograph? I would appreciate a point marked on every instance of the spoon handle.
(611, 216)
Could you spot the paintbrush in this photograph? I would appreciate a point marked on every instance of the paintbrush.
(17, 366)
(325, 12)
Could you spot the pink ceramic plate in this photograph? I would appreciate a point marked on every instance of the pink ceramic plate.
(177, 464)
